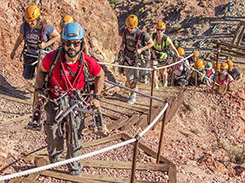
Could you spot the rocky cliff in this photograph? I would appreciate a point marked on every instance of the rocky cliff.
(97, 18)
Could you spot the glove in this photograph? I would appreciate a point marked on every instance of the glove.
(40, 98)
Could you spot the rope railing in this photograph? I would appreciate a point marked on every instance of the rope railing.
(147, 69)
(53, 165)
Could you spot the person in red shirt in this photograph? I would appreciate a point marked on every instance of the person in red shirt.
(68, 77)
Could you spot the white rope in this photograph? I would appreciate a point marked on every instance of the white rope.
(154, 121)
(147, 69)
(53, 165)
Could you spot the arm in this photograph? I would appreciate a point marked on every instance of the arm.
(148, 45)
(99, 82)
(40, 78)
(41, 73)
(172, 47)
(55, 36)
(99, 85)
(17, 44)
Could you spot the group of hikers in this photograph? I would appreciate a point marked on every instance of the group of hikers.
(139, 49)
(62, 76)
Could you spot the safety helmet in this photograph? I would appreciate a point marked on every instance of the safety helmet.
(132, 21)
(65, 20)
(181, 51)
(209, 66)
(218, 67)
(72, 31)
(199, 64)
(161, 25)
(195, 53)
(31, 13)
(230, 63)
(214, 64)
(224, 66)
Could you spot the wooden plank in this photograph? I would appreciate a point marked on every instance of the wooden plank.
(125, 105)
(84, 178)
(117, 124)
(110, 115)
(16, 119)
(28, 180)
(123, 165)
(118, 111)
(130, 122)
(16, 180)
(236, 34)
(172, 109)
(29, 102)
(143, 121)
(240, 36)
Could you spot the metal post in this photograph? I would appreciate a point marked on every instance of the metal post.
(161, 137)
(216, 67)
(132, 179)
(152, 88)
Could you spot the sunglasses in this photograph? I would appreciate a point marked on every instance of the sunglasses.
(160, 30)
(74, 43)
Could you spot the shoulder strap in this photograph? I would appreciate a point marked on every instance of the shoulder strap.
(52, 66)
(42, 31)
(154, 36)
(137, 44)
(123, 36)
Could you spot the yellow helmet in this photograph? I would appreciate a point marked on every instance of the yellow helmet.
(181, 51)
(218, 67)
(214, 64)
(65, 20)
(196, 53)
(161, 25)
(132, 21)
(230, 63)
(224, 66)
(199, 64)
(32, 13)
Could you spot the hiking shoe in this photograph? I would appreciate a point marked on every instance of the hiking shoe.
(132, 99)
(54, 159)
(102, 127)
(75, 173)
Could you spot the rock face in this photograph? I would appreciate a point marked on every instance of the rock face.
(96, 17)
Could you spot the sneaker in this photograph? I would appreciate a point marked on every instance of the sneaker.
(166, 84)
(156, 86)
(132, 99)
(75, 173)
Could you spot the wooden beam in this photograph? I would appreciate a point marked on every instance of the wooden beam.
(16, 119)
(123, 165)
(117, 124)
(126, 105)
(118, 111)
(29, 102)
(133, 120)
(84, 178)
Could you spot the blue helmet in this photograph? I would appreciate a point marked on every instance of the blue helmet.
(171, 53)
(72, 31)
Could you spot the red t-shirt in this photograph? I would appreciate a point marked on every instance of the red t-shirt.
(58, 80)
